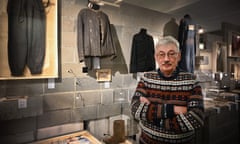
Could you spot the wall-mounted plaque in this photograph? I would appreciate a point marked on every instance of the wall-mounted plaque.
(104, 75)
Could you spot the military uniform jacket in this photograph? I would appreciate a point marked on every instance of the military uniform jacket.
(94, 37)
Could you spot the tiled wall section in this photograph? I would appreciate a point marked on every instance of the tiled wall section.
(77, 96)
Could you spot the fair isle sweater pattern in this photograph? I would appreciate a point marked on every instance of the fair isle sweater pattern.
(157, 120)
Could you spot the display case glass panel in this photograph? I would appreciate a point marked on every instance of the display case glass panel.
(50, 32)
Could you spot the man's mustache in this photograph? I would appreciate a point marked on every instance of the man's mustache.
(166, 62)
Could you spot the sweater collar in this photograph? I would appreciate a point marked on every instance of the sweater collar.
(173, 76)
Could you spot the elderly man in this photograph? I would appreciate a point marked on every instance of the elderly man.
(168, 103)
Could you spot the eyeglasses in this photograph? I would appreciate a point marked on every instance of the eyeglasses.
(162, 55)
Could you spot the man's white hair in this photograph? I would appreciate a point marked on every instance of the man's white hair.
(168, 40)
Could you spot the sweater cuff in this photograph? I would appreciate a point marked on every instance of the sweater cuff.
(168, 111)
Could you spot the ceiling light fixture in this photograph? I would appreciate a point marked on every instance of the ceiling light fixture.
(102, 2)
(118, 1)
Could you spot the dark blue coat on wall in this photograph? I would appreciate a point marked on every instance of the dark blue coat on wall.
(187, 41)
(142, 54)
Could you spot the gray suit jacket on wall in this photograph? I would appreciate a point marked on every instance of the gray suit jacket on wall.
(94, 37)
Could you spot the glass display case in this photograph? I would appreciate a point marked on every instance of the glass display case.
(231, 35)
(36, 46)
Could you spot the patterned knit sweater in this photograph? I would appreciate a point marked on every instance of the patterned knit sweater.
(157, 120)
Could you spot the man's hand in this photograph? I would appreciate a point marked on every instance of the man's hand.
(180, 109)
(144, 100)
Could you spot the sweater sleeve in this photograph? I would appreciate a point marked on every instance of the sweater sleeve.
(152, 112)
(194, 117)
(195, 106)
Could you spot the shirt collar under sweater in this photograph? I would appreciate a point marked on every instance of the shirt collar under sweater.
(173, 76)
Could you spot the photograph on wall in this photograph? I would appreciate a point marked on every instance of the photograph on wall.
(104, 75)
(235, 49)
(205, 60)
